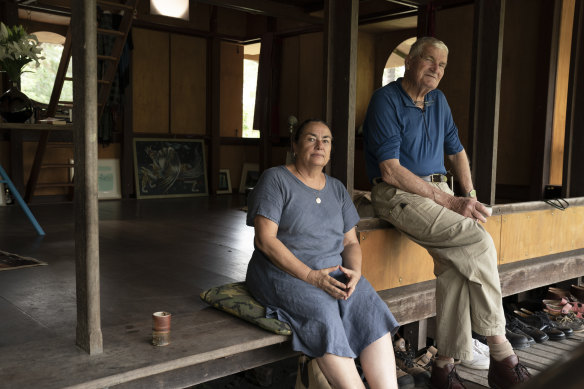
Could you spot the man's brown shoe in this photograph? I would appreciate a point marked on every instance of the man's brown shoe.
(445, 378)
(507, 373)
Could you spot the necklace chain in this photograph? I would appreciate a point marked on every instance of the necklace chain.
(316, 193)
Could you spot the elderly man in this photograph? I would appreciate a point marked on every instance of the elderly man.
(408, 129)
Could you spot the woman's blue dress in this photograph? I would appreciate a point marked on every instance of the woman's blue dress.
(314, 233)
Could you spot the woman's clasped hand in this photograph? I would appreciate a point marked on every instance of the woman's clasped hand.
(322, 279)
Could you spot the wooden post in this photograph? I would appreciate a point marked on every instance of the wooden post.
(214, 103)
(573, 181)
(264, 99)
(484, 115)
(549, 35)
(84, 27)
(341, 18)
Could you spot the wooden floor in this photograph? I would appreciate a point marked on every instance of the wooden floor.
(536, 358)
(155, 254)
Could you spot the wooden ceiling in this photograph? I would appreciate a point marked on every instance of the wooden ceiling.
(306, 11)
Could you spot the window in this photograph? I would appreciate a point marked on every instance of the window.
(394, 67)
(251, 58)
(37, 83)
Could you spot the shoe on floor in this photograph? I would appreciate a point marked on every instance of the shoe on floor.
(578, 292)
(570, 320)
(404, 380)
(425, 360)
(550, 323)
(518, 342)
(519, 326)
(538, 322)
(446, 377)
(507, 373)
(480, 354)
(404, 359)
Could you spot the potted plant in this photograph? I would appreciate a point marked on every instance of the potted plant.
(17, 48)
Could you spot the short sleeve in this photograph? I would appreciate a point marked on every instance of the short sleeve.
(452, 143)
(350, 215)
(383, 127)
(267, 198)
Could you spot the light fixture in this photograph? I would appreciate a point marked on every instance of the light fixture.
(172, 8)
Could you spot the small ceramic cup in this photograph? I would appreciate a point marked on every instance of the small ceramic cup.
(161, 328)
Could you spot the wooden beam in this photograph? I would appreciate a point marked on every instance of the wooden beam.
(484, 115)
(266, 8)
(549, 35)
(340, 77)
(573, 180)
(515, 277)
(213, 103)
(264, 97)
(84, 28)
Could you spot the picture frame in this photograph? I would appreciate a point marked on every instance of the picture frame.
(166, 168)
(224, 186)
(250, 175)
(108, 179)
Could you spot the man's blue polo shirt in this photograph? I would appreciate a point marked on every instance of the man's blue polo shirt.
(395, 128)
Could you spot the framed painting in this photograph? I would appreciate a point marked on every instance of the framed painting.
(224, 182)
(250, 175)
(169, 168)
(108, 179)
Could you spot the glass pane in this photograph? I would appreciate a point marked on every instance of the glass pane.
(37, 83)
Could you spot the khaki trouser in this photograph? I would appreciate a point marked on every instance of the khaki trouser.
(468, 292)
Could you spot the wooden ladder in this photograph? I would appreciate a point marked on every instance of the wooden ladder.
(111, 62)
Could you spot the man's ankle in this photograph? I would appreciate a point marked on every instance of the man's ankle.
(441, 361)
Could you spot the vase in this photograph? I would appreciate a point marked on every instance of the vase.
(15, 106)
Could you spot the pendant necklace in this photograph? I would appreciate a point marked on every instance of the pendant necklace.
(316, 193)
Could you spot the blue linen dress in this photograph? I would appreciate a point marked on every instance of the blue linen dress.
(314, 233)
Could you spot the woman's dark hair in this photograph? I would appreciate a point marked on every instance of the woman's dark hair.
(303, 125)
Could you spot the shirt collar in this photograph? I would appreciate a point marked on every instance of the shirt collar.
(406, 99)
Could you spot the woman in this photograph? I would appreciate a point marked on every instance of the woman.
(306, 267)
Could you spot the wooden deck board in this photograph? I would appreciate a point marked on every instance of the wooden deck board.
(129, 354)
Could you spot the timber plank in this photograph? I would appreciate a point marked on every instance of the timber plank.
(196, 338)
(515, 278)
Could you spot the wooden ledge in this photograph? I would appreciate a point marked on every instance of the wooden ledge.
(415, 302)
(37, 127)
(204, 345)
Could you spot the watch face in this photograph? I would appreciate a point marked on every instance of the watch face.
(472, 193)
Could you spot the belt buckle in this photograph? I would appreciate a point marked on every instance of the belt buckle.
(438, 178)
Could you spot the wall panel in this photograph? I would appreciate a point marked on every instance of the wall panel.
(231, 89)
(289, 81)
(310, 86)
(150, 81)
(188, 79)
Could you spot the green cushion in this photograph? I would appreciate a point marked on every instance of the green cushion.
(235, 299)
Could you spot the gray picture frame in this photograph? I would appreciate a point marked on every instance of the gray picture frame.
(166, 168)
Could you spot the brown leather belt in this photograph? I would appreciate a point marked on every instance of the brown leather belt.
(435, 178)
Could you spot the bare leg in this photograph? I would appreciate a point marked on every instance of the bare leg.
(340, 372)
(378, 364)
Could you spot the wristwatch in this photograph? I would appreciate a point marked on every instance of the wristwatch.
(472, 193)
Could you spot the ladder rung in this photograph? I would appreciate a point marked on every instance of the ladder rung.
(98, 81)
(55, 184)
(112, 5)
(107, 31)
(57, 165)
(107, 58)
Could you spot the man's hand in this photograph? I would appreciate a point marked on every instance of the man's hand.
(469, 207)
(321, 279)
